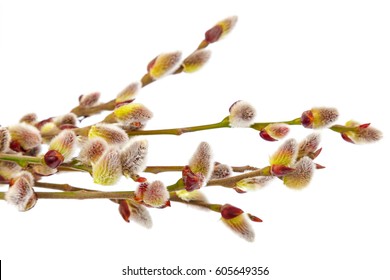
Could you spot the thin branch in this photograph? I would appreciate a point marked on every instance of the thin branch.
(85, 195)
(59, 187)
(24, 161)
(179, 168)
(202, 204)
(231, 182)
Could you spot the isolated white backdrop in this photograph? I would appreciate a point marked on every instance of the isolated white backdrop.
(283, 56)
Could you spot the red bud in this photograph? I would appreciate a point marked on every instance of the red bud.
(15, 146)
(364, 125)
(141, 179)
(254, 218)
(229, 211)
(119, 104)
(213, 34)
(67, 126)
(264, 134)
(151, 64)
(307, 119)
(319, 166)
(346, 138)
(238, 190)
(124, 210)
(53, 159)
(43, 122)
(281, 170)
(191, 180)
(315, 154)
(139, 194)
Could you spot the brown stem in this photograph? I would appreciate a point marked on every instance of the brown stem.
(76, 166)
(70, 192)
(59, 187)
(85, 112)
(83, 194)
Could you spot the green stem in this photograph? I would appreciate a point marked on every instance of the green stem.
(76, 166)
(212, 207)
(222, 124)
(260, 126)
(341, 128)
(71, 192)
(24, 161)
(179, 131)
(85, 195)
(21, 160)
(179, 185)
(228, 182)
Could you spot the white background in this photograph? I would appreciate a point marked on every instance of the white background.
(283, 56)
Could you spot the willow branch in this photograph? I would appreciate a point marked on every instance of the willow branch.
(231, 182)
(228, 182)
(222, 124)
(24, 161)
(202, 204)
(179, 168)
(83, 194)
(59, 187)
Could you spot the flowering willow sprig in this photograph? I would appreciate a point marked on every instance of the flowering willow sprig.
(33, 149)
(161, 66)
(242, 115)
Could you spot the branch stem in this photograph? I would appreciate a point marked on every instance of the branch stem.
(212, 207)
(21, 160)
(83, 194)
(230, 182)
